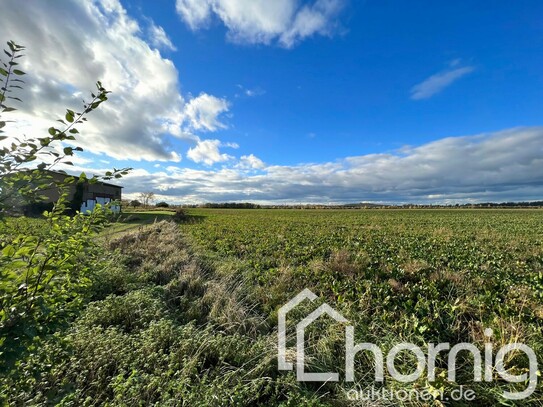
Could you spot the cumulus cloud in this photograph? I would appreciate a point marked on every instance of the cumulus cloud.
(71, 44)
(204, 110)
(436, 83)
(502, 166)
(207, 152)
(262, 21)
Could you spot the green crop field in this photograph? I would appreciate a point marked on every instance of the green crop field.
(412, 275)
(411, 260)
(186, 313)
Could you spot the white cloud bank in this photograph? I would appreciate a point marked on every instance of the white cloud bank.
(501, 166)
(71, 44)
(438, 82)
(263, 21)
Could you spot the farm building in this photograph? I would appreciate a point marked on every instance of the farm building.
(83, 195)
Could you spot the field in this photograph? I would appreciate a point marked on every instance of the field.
(420, 262)
(186, 314)
(422, 276)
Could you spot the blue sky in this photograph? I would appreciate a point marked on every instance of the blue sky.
(300, 101)
(328, 98)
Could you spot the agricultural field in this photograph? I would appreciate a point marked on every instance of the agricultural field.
(406, 255)
(186, 313)
(398, 275)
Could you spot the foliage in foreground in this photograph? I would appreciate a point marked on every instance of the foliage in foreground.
(45, 272)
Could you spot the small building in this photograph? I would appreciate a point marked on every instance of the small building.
(84, 196)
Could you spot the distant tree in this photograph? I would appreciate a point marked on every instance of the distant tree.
(162, 205)
(147, 197)
(135, 203)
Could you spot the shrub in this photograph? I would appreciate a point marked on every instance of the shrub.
(162, 205)
(44, 272)
(180, 216)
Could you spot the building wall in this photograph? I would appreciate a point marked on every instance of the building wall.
(98, 192)
(53, 193)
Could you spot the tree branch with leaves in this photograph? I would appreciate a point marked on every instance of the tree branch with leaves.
(43, 274)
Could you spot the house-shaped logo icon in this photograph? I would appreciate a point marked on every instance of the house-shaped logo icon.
(283, 364)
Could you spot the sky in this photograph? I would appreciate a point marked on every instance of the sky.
(293, 101)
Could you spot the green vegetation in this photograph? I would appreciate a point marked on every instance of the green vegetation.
(130, 220)
(404, 275)
(47, 266)
(185, 314)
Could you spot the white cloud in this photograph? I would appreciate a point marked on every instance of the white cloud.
(250, 162)
(195, 13)
(436, 83)
(231, 145)
(159, 38)
(99, 41)
(207, 152)
(204, 110)
(262, 21)
(502, 166)
(250, 92)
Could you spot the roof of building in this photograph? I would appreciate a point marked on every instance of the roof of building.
(76, 177)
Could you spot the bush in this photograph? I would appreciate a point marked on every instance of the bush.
(135, 203)
(162, 205)
(180, 216)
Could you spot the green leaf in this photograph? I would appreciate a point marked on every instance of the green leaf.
(8, 109)
(18, 72)
(8, 251)
(52, 131)
(74, 131)
(70, 116)
(3, 72)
